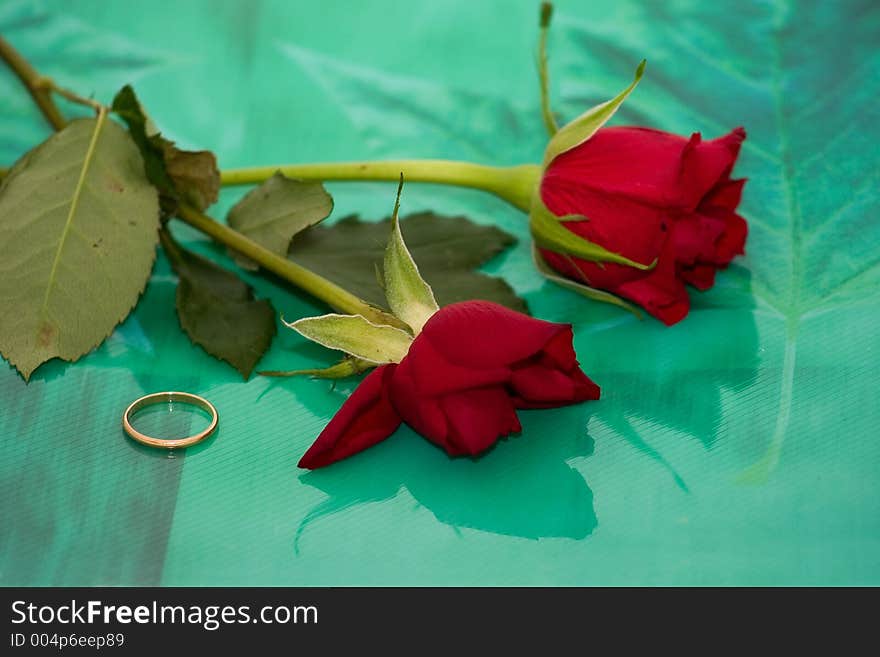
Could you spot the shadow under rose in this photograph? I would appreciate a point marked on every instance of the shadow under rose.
(657, 379)
(676, 378)
(525, 486)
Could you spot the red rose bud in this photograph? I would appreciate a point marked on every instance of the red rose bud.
(466, 373)
(649, 196)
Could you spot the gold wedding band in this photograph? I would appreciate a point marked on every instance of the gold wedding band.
(169, 397)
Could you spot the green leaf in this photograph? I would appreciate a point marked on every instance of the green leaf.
(128, 108)
(78, 230)
(585, 126)
(409, 296)
(356, 336)
(194, 173)
(217, 309)
(448, 249)
(274, 212)
(189, 176)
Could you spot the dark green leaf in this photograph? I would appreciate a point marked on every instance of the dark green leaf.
(447, 250)
(217, 310)
(190, 176)
(277, 210)
(126, 106)
(78, 230)
(194, 174)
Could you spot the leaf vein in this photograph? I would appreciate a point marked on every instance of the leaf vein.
(90, 152)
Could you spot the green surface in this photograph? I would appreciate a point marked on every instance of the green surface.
(737, 447)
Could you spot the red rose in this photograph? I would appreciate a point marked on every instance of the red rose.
(648, 194)
(473, 364)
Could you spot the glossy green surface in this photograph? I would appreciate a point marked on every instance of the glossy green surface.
(738, 447)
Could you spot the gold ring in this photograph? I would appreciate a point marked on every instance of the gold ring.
(169, 397)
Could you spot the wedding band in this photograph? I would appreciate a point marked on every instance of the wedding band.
(169, 397)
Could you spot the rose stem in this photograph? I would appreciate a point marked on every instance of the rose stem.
(513, 184)
(33, 81)
(543, 74)
(303, 278)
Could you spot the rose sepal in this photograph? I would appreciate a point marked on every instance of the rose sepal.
(409, 296)
(348, 366)
(356, 336)
(576, 132)
(548, 233)
(581, 288)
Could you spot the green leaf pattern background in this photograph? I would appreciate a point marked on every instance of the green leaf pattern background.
(737, 447)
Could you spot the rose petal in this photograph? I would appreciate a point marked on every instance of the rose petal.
(705, 163)
(667, 306)
(419, 410)
(540, 386)
(732, 141)
(366, 418)
(454, 386)
(621, 225)
(695, 237)
(703, 239)
(483, 335)
(430, 373)
(638, 164)
(733, 240)
(726, 194)
(660, 292)
(701, 277)
(477, 419)
(559, 351)
(648, 194)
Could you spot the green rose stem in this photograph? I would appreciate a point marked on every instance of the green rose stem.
(543, 74)
(514, 184)
(336, 297)
(305, 279)
(34, 82)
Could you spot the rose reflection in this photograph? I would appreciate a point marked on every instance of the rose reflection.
(676, 379)
(526, 486)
